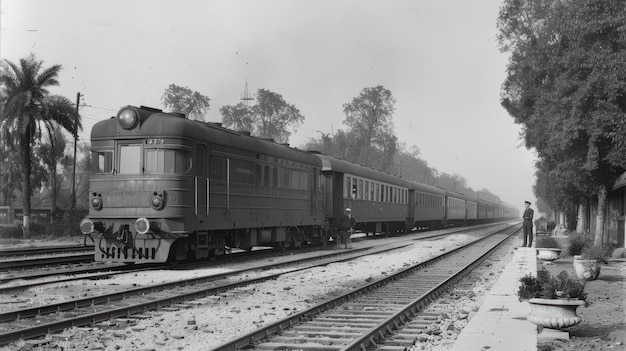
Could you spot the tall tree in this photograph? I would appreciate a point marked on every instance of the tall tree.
(238, 117)
(369, 119)
(28, 108)
(409, 166)
(271, 116)
(51, 153)
(566, 85)
(184, 100)
(10, 175)
(83, 166)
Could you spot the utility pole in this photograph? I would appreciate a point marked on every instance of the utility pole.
(73, 195)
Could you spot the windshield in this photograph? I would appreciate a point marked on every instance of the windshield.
(167, 161)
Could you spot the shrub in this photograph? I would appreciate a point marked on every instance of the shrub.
(598, 253)
(546, 286)
(570, 288)
(65, 224)
(11, 232)
(578, 241)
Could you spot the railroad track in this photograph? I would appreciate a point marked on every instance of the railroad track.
(33, 251)
(20, 324)
(55, 317)
(45, 261)
(368, 317)
(97, 270)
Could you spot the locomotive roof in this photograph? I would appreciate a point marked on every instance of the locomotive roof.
(164, 125)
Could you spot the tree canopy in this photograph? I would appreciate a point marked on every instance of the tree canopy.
(182, 99)
(369, 117)
(566, 85)
(270, 117)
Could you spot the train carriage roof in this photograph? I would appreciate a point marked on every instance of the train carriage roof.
(427, 188)
(332, 164)
(456, 195)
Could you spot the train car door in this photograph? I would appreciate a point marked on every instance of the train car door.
(410, 220)
(329, 190)
(201, 201)
(201, 183)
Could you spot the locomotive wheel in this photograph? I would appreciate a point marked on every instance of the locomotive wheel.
(171, 259)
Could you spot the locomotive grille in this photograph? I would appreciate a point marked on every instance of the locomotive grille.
(127, 198)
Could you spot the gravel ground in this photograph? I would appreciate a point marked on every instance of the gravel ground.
(208, 322)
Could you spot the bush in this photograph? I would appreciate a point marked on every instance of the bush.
(598, 253)
(546, 286)
(11, 232)
(578, 241)
(64, 225)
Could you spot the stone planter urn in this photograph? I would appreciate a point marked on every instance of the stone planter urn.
(548, 254)
(554, 313)
(586, 269)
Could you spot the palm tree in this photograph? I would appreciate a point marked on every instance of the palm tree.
(27, 107)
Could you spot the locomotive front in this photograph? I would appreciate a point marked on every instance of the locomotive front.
(140, 186)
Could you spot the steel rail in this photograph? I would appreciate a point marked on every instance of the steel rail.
(56, 326)
(31, 251)
(45, 328)
(249, 340)
(30, 262)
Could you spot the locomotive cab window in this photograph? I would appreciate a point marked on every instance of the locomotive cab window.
(167, 161)
(130, 159)
(103, 162)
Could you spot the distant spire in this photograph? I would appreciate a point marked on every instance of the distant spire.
(246, 94)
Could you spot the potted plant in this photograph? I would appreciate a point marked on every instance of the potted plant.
(548, 248)
(587, 265)
(553, 300)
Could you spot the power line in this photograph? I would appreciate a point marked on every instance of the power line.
(100, 108)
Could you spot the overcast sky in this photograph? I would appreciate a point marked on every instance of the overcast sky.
(439, 59)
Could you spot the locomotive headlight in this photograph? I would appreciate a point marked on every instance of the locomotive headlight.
(86, 226)
(157, 202)
(142, 225)
(128, 119)
(96, 203)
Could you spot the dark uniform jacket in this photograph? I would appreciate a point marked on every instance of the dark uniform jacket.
(528, 217)
(346, 222)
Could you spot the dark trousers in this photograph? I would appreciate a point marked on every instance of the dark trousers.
(528, 235)
(345, 237)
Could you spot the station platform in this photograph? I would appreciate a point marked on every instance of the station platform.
(500, 323)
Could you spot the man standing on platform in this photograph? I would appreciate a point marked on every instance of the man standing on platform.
(346, 224)
(527, 227)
